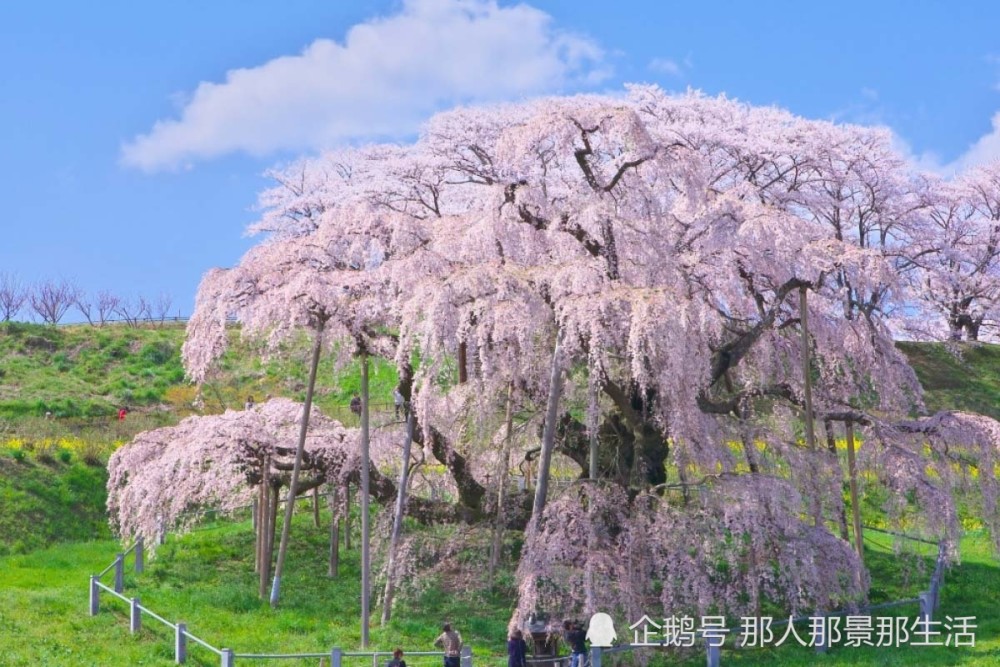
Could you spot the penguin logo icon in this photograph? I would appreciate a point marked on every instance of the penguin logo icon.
(601, 631)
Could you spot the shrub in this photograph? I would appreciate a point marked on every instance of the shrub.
(45, 451)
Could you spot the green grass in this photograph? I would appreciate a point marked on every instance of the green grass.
(206, 579)
(82, 373)
(44, 503)
(970, 589)
(962, 376)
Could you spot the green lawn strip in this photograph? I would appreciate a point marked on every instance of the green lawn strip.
(41, 503)
(206, 580)
(970, 589)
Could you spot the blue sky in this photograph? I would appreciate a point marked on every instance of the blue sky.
(134, 134)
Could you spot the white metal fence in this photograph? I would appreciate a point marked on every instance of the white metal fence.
(185, 639)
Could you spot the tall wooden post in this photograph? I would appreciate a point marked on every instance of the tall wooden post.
(859, 537)
(292, 490)
(316, 506)
(365, 526)
(397, 522)
(817, 511)
(333, 568)
(549, 432)
(502, 484)
(806, 377)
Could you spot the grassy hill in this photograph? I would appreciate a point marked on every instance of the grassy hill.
(52, 490)
(60, 498)
(82, 371)
(958, 376)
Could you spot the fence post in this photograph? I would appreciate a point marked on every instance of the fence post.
(134, 616)
(139, 555)
(466, 656)
(253, 514)
(228, 659)
(180, 644)
(822, 641)
(119, 573)
(595, 656)
(713, 653)
(335, 657)
(95, 596)
(926, 608)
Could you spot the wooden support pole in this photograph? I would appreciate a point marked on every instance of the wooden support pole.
(95, 596)
(135, 616)
(140, 555)
(852, 472)
(180, 644)
(119, 573)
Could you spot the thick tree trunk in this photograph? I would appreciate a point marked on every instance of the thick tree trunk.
(463, 361)
(397, 522)
(365, 499)
(549, 433)
(290, 505)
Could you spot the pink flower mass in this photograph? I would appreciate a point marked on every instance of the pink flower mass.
(652, 254)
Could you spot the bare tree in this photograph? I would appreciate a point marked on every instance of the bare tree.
(134, 311)
(51, 299)
(13, 294)
(162, 306)
(85, 304)
(107, 305)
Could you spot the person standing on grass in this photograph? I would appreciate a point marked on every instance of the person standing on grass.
(517, 650)
(397, 399)
(397, 659)
(451, 642)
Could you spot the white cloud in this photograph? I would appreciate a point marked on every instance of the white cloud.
(671, 67)
(983, 150)
(387, 76)
(666, 66)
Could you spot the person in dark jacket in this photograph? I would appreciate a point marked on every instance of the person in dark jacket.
(397, 659)
(517, 650)
(576, 639)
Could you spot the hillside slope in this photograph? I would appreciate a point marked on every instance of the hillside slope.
(85, 372)
(964, 376)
